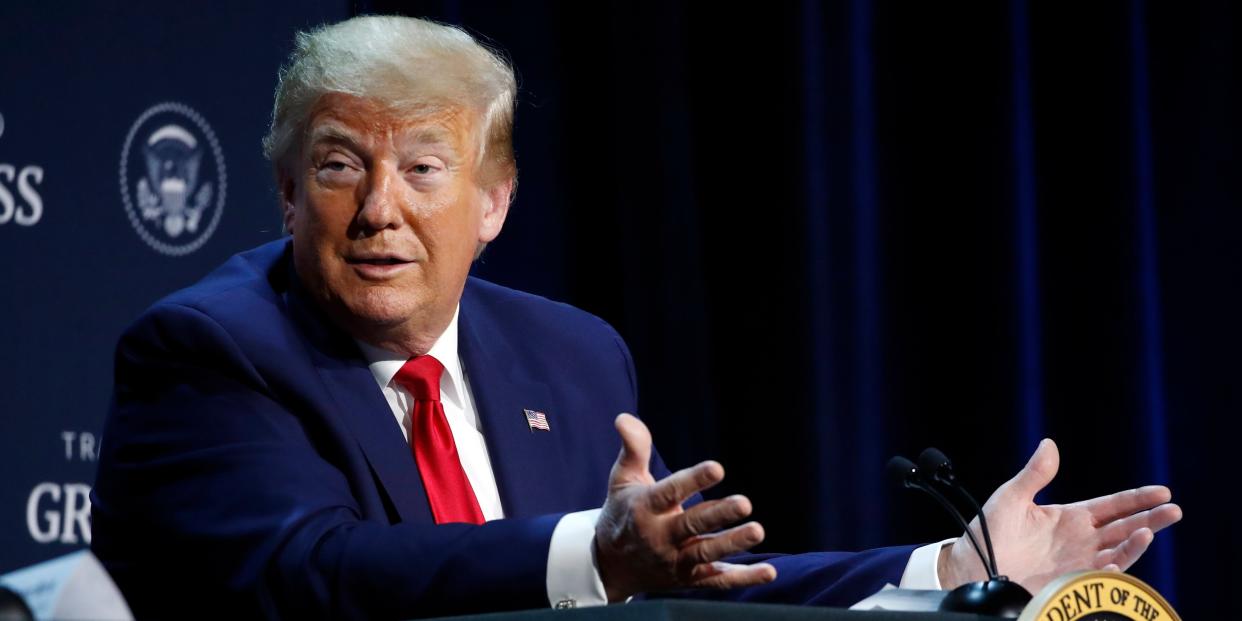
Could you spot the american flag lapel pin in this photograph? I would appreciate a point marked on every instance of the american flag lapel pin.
(537, 420)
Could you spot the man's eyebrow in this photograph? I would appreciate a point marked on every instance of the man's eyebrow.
(332, 133)
(442, 138)
(431, 135)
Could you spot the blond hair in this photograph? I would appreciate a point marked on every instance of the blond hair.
(412, 66)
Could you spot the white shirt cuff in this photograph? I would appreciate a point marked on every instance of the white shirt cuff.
(573, 579)
(921, 570)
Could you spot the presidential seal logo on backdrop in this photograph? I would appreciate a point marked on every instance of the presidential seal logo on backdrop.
(172, 178)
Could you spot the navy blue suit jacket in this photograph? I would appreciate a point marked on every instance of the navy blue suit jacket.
(251, 467)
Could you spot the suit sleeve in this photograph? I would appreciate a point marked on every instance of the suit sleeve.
(839, 579)
(215, 499)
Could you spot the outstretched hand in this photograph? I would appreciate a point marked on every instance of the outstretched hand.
(1035, 543)
(645, 541)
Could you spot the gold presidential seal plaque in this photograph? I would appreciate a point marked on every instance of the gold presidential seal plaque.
(1098, 596)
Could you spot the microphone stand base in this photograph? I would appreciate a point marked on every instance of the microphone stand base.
(997, 598)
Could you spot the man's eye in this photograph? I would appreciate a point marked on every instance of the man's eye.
(336, 165)
(422, 169)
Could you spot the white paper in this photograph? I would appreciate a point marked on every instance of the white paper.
(906, 600)
(69, 588)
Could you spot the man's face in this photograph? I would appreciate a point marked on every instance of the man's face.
(386, 216)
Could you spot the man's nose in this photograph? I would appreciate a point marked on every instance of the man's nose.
(382, 203)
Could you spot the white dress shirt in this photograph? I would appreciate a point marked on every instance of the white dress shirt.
(572, 577)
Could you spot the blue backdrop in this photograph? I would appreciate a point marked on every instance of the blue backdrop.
(838, 229)
(82, 249)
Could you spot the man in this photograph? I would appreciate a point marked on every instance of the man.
(335, 424)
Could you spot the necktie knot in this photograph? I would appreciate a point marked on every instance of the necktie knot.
(420, 375)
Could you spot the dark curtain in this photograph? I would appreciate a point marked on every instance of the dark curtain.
(832, 232)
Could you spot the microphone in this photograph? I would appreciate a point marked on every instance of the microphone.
(907, 475)
(937, 466)
(996, 596)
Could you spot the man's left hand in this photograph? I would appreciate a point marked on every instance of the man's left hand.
(1036, 543)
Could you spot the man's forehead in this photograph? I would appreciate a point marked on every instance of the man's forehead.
(354, 119)
(335, 130)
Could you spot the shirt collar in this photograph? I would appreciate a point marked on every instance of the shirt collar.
(385, 364)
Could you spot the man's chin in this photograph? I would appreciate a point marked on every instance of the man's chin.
(381, 314)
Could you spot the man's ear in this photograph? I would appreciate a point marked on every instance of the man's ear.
(495, 207)
(288, 194)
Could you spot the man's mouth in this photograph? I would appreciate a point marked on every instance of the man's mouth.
(378, 261)
(378, 267)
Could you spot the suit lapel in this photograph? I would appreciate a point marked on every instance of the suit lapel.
(530, 467)
(361, 405)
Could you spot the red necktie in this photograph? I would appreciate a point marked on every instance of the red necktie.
(448, 490)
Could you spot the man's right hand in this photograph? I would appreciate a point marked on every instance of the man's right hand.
(645, 541)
